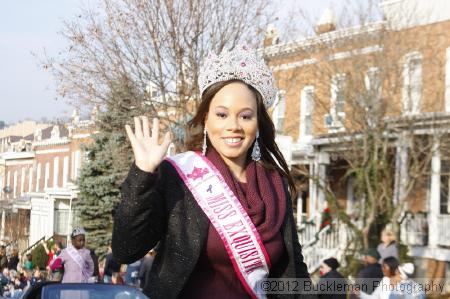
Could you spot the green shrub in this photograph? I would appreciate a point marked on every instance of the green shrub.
(39, 257)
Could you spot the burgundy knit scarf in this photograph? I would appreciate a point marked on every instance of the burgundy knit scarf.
(262, 197)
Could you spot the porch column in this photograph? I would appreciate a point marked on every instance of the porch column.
(435, 194)
(401, 168)
(317, 199)
(312, 190)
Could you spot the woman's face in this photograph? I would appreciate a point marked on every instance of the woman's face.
(78, 241)
(232, 123)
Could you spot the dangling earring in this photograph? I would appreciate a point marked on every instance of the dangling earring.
(256, 152)
(204, 142)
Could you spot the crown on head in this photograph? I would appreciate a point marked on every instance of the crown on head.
(78, 231)
(240, 63)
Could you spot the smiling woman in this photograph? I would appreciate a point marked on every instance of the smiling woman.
(221, 212)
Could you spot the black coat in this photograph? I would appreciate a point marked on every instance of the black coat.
(159, 207)
(333, 284)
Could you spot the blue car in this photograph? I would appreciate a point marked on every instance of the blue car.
(55, 290)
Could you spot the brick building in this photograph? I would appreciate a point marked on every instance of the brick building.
(328, 82)
(37, 178)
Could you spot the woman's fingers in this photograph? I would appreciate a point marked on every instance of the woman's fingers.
(155, 129)
(137, 127)
(145, 127)
(130, 133)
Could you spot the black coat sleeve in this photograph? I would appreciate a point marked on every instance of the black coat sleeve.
(140, 218)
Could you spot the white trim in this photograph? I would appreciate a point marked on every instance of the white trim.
(54, 150)
(355, 52)
(13, 163)
(329, 37)
(64, 140)
(81, 136)
(292, 65)
(17, 155)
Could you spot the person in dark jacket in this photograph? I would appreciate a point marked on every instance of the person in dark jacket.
(13, 260)
(111, 266)
(371, 274)
(232, 138)
(94, 257)
(329, 276)
(3, 258)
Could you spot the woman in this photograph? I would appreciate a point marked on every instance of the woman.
(394, 283)
(76, 260)
(223, 216)
(388, 245)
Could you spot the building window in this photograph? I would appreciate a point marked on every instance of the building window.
(55, 172)
(77, 164)
(38, 177)
(335, 119)
(412, 83)
(22, 181)
(65, 171)
(306, 111)
(338, 94)
(47, 174)
(15, 184)
(279, 111)
(373, 84)
(61, 221)
(30, 179)
(447, 81)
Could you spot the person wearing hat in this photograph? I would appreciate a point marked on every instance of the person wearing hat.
(371, 273)
(76, 259)
(222, 211)
(329, 274)
(395, 282)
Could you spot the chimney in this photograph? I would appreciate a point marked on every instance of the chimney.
(326, 23)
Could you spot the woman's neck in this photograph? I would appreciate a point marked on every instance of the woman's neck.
(237, 168)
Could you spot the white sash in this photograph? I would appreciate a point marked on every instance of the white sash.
(76, 256)
(238, 233)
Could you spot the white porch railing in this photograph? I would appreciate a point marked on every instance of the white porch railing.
(414, 230)
(329, 242)
(444, 230)
(307, 233)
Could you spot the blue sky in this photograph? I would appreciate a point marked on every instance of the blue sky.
(26, 90)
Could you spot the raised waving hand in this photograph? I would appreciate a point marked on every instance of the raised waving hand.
(148, 153)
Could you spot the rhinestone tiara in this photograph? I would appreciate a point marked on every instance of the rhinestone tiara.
(240, 63)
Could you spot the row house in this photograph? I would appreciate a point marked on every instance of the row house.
(39, 178)
(403, 64)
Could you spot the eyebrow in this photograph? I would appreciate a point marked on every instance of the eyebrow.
(245, 108)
